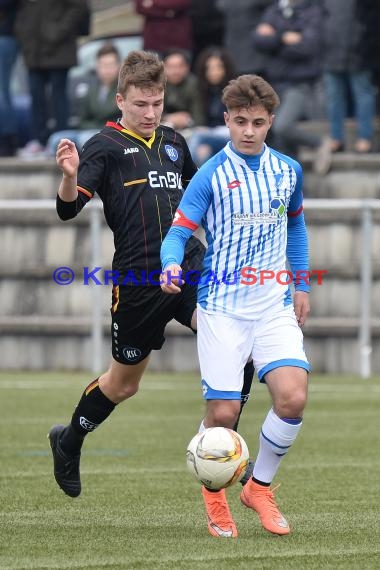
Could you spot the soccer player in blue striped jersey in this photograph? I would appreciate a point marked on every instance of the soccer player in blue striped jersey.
(248, 198)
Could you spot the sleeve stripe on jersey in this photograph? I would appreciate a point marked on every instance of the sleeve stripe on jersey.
(142, 180)
(181, 220)
(84, 191)
(297, 213)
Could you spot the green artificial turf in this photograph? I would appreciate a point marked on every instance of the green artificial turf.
(141, 509)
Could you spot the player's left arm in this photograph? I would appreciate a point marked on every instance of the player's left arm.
(297, 251)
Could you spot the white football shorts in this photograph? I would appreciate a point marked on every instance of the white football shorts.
(225, 344)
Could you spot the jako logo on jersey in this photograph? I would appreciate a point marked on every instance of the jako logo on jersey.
(131, 354)
(167, 180)
(130, 150)
(234, 184)
(171, 152)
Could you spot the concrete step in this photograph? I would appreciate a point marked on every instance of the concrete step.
(44, 325)
(351, 176)
(335, 297)
(321, 127)
(28, 179)
(332, 347)
(115, 17)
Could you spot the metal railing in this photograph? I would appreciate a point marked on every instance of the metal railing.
(366, 206)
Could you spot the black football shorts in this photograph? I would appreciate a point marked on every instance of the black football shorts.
(139, 318)
(140, 314)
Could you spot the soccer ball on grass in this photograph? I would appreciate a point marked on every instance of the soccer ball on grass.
(217, 457)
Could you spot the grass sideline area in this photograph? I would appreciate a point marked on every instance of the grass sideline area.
(141, 509)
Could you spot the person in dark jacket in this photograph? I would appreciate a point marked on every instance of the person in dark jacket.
(182, 105)
(207, 25)
(369, 15)
(347, 64)
(8, 55)
(240, 17)
(290, 34)
(167, 24)
(47, 31)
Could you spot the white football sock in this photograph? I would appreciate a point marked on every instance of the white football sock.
(276, 437)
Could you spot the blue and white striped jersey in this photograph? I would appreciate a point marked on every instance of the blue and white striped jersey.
(244, 204)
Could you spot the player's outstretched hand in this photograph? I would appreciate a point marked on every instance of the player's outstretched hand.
(171, 279)
(67, 157)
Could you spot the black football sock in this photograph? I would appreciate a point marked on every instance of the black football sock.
(70, 441)
(93, 408)
(249, 371)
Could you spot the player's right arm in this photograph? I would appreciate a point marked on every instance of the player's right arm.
(77, 189)
(172, 252)
(68, 161)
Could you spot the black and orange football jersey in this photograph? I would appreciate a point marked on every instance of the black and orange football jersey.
(140, 183)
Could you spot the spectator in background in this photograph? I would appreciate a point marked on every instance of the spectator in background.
(369, 13)
(290, 35)
(347, 64)
(214, 69)
(207, 26)
(8, 55)
(98, 105)
(47, 31)
(167, 24)
(240, 17)
(182, 105)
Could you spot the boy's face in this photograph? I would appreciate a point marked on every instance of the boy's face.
(107, 68)
(176, 68)
(141, 109)
(248, 128)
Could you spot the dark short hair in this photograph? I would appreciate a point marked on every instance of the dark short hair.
(178, 51)
(250, 91)
(108, 49)
(143, 69)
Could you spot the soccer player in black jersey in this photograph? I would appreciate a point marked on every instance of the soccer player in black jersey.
(139, 169)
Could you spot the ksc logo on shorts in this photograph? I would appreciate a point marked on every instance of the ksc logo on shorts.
(131, 354)
(171, 152)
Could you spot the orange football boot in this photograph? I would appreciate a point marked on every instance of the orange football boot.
(261, 500)
(219, 519)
